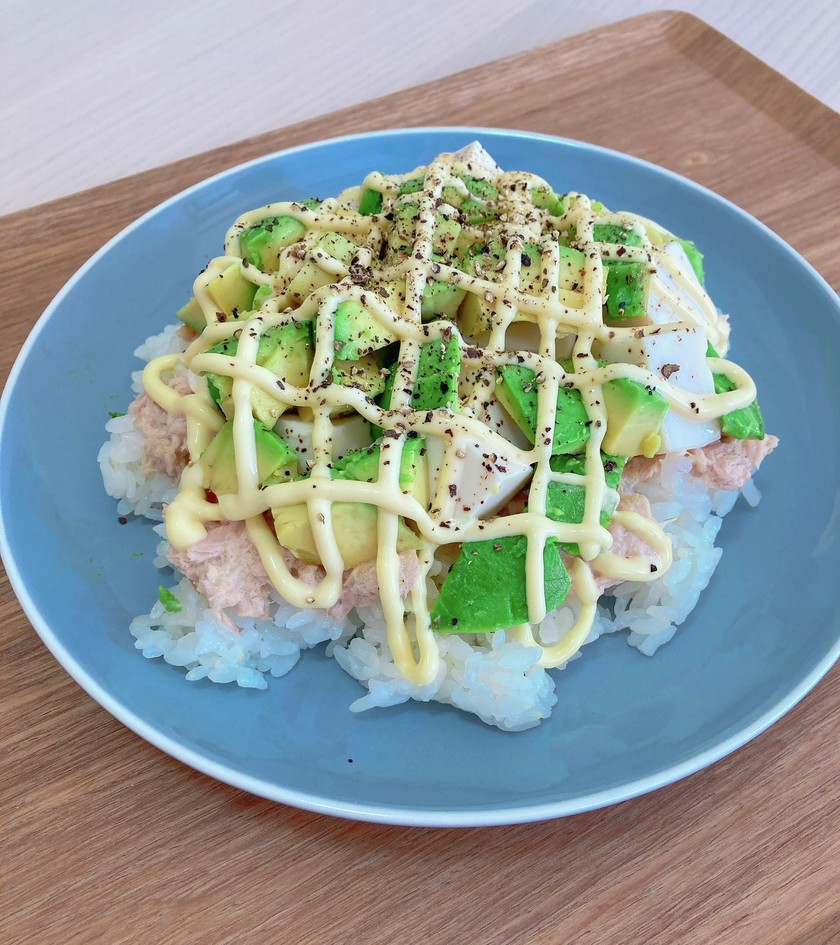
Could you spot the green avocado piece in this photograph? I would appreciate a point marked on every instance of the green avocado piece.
(613, 233)
(263, 294)
(437, 375)
(231, 292)
(441, 300)
(355, 525)
(481, 188)
(517, 393)
(401, 236)
(744, 424)
(286, 351)
(370, 202)
(364, 373)
(358, 332)
(566, 502)
(546, 199)
(411, 186)
(634, 417)
(311, 276)
(747, 423)
(261, 244)
(486, 589)
(363, 466)
(626, 292)
(191, 315)
(695, 257)
(276, 460)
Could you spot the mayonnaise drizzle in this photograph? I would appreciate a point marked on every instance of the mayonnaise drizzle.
(557, 313)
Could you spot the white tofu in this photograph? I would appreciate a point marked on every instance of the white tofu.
(483, 481)
(349, 433)
(678, 356)
(473, 153)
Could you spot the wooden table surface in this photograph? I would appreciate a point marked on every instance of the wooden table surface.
(105, 839)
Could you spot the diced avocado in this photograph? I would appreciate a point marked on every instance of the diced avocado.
(261, 244)
(358, 332)
(483, 189)
(572, 264)
(364, 373)
(401, 237)
(285, 350)
(566, 502)
(440, 299)
(634, 418)
(384, 401)
(231, 292)
(263, 294)
(744, 424)
(695, 257)
(363, 466)
(747, 423)
(276, 460)
(486, 589)
(437, 375)
(546, 199)
(613, 233)
(411, 186)
(191, 315)
(311, 276)
(355, 528)
(370, 203)
(477, 214)
(626, 292)
(517, 393)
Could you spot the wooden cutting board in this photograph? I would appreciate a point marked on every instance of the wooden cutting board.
(105, 839)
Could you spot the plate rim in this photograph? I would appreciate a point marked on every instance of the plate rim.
(390, 813)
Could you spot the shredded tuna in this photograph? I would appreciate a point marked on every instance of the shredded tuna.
(639, 469)
(165, 434)
(361, 585)
(626, 543)
(729, 463)
(226, 568)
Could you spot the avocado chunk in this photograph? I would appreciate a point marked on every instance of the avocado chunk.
(358, 332)
(276, 460)
(546, 199)
(566, 502)
(355, 527)
(363, 466)
(517, 393)
(441, 300)
(364, 373)
(411, 186)
(231, 292)
(311, 276)
(486, 589)
(370, 202)
(261, 244)
(401, 236)
(695, 257)
(284, 350)
(437, 375)
(192, 316)
(634, 418)
(613, 233)
(747, 423)
(627, 284)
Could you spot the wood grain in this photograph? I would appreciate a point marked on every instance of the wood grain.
(105, 839)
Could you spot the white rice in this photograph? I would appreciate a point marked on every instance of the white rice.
(497, 679)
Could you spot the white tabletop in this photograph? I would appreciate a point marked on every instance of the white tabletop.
(97, 90)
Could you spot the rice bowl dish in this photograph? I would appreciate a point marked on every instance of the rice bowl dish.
(524, 392)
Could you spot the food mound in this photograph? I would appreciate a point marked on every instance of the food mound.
(451, 422)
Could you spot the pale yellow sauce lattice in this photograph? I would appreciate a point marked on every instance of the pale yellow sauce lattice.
(570, 316)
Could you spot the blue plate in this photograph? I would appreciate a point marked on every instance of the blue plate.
(763, 635)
